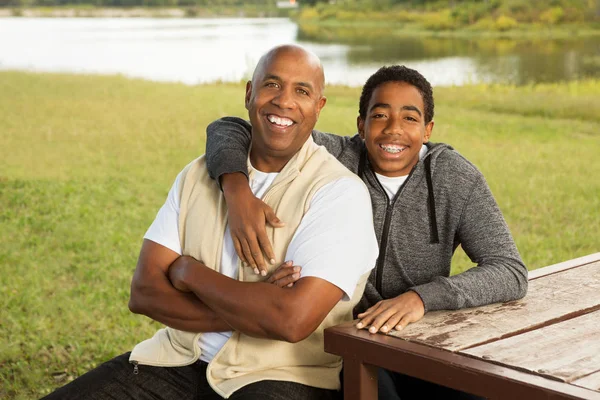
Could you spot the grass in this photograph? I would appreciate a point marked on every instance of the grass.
(88, 160)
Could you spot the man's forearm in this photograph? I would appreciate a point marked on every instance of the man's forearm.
(176, 309)
(252, 308)
(260, 309)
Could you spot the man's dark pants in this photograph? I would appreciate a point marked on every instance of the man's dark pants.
(116, 380)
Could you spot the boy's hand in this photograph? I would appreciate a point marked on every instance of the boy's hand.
(393, 313)
(248, 217)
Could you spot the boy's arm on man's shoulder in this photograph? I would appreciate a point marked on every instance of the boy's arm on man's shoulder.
(499, 275)
(227, 144)
(336, 144)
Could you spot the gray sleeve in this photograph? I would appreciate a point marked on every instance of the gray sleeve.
(227, 144)
(334, 144)
(500, 275)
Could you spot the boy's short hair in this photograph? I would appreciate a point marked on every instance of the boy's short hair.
(397, 73)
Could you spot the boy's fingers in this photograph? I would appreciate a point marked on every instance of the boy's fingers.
(272, 219)
(266, 247)
(239, 251)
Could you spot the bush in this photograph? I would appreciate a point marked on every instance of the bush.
(504, 23)
(552, 16)
(439, 21)
(309, 13)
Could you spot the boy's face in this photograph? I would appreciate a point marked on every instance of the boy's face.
(394, 128)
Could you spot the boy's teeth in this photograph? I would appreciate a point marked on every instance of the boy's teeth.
(392, 148)
(279, 121)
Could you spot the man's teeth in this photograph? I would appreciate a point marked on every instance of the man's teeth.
(392, 148)
(279, 121)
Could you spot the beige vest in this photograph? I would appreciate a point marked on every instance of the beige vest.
(202, 221)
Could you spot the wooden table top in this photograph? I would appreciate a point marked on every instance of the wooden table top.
(550, 338)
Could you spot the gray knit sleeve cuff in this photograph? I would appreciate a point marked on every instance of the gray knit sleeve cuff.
(235, 161)
(435, 296)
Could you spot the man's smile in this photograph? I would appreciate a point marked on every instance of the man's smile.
(280, 122)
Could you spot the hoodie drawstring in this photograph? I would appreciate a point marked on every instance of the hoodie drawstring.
(431, 204)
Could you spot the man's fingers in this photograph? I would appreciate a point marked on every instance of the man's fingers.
(281, 271)
(272, 218)
(265, 245)
(288, 280)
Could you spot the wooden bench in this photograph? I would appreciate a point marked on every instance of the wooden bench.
(546, 345)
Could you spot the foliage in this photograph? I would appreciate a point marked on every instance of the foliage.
(504, 23)
(496, 15)
(87, 162)
(552, 16)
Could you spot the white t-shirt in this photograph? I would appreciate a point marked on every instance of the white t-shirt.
(391, 184)
(335, 240)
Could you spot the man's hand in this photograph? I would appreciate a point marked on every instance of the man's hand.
(178, 272)
(285, 275)
(248, 217)
(394, 313)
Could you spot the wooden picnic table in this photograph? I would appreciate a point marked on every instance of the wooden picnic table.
(544, 346)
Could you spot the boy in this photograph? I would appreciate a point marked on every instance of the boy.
(427, 200)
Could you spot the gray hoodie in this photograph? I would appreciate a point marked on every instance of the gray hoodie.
(445, 202)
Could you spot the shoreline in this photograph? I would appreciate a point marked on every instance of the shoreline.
(326, 29)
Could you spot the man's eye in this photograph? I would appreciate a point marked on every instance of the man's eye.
(302, 91)
(272, 84)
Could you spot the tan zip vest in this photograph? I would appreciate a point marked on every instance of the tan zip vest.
(202, 221)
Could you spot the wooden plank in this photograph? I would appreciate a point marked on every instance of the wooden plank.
(591, 381)
(564, 351)
(552, 269)
(551, 299)
(455, 370)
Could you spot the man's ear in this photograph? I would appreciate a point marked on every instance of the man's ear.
(360, 125)
(248, 94)
(428, 130)
(320, 105)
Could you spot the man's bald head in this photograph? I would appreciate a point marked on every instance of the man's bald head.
(297, 52)
(284, 100)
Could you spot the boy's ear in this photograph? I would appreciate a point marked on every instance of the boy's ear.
(428, 130)
(360, 125)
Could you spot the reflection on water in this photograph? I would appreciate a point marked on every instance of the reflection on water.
(206, 50)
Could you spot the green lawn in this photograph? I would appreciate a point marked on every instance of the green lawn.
(87, 161)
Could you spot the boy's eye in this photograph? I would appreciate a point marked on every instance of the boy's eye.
(412, 119)
(378, 115)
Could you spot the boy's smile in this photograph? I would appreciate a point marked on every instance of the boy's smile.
(394, 128)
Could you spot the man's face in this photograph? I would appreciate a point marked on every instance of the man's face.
(283, 101)
(394, 128)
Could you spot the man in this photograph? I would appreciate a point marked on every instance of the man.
(231, 334)
(427, 200)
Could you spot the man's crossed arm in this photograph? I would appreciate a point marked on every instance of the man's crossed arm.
(183, 293)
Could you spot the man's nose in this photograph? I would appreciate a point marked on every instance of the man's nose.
(284, 99)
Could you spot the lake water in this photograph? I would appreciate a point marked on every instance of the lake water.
(206, 50)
